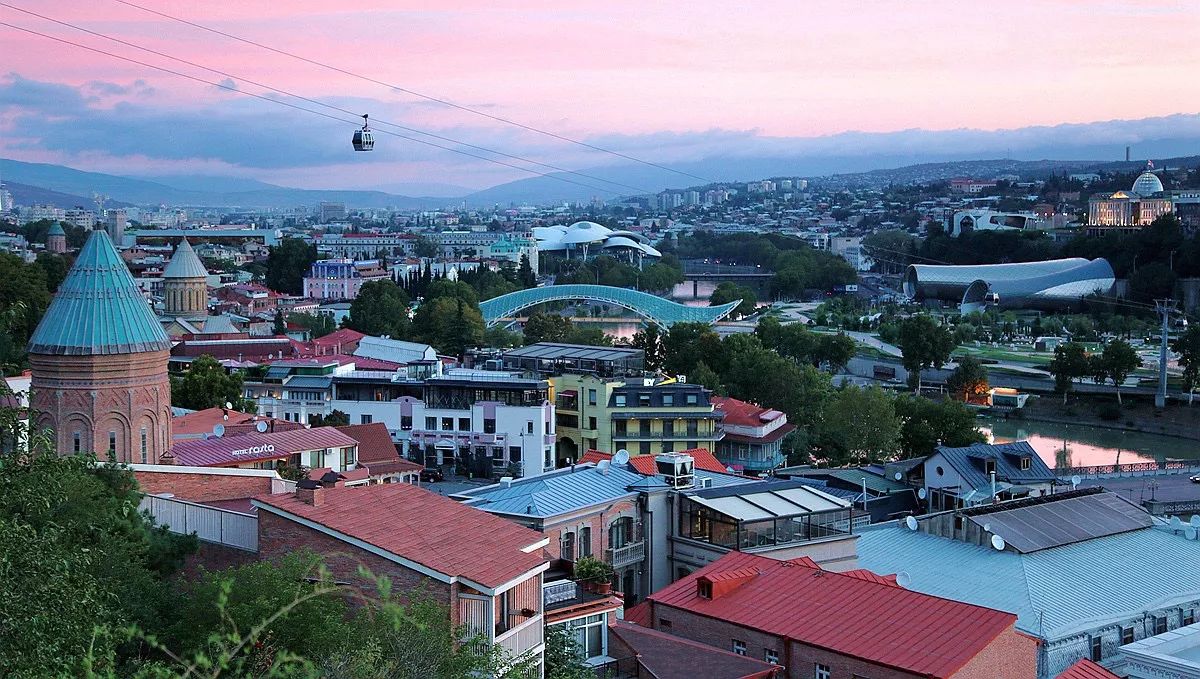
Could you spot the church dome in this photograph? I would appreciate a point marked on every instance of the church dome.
(184, 263)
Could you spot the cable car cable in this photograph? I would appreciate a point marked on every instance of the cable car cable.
(294, 106)
(318, 102)
(414, 93)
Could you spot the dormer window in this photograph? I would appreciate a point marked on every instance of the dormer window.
(989, 466)
(1026, 463)
(704, 589)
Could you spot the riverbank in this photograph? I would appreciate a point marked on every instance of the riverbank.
(1180, 421)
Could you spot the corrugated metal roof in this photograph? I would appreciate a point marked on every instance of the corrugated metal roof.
(251, 447)
(1048, 522)
(968, 461)
(184, 263)
(308, 382)
(555, 493)
(1086, 669)
(1054, 592)
(850, 615)
(98, 309)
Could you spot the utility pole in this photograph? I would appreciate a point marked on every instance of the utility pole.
(1164, 307)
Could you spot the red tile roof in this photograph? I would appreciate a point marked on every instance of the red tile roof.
(374, 442)
(1086, 669)
(231, 451)
(847, 614)
(203, 421)
(670, 657)
(421, 526)
(744, 414)
(644, 464)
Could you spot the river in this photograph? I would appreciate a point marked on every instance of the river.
(1069, 445)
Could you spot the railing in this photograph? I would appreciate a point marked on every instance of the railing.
(556, 592)
(474, 613)
(623, 556)
(210, 524)
(282, 486)
(1129, 469)
(522, 638)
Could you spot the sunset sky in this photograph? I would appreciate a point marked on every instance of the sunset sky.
(659, 80)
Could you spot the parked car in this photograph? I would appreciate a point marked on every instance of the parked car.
(431, 475)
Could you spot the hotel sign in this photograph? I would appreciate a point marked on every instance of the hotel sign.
(254, 450)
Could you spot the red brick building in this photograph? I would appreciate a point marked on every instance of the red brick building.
(824, 625)
(486, 570)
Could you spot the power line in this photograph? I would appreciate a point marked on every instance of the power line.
(294, 106)
(414, 93)
(377, 121)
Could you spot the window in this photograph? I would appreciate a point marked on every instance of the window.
(692, 399)
(112, 442)
(1025, 463)
(668, 399)
(668, 428)
(489, 425)
(1160, 624)
(447, 424)
(77, 441)
(591, 397)
(644, 427)
(1126, 635)
(464, 424)
(585, 541)
(529, 427)
(349, 456)
(406, 422)
(663, 623)
(771, 656)
(1189, 617)
(591, 638)
(822, 672)
(644, 448)
(591, 423)
(989, 467)
(704, 589)
(739, 647)
(145, 446)
(566, 547)
(644, 400)
(1097, 648)
(431, 423)
(620, 427)
(619, 400)
(364, 419)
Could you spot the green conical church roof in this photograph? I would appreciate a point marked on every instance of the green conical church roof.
(184, 263)
(98, 309)
(56, 230)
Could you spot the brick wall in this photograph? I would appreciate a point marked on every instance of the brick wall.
(200, 487)
(1010, 656)
(278, 537)
(213, 557)
(598, 522)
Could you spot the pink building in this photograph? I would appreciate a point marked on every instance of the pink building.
(337, 279)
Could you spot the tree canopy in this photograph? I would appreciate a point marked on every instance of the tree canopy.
(923, 344)
(207, 384)
(381, 308)
(287, 265)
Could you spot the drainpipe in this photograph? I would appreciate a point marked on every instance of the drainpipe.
(993, 487)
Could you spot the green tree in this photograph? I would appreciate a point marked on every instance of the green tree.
(924, 423)
(923, 344)
(206, 384)
(279, 326)
(1187, 346)
(969, 378)
(649, 340)
(525, 274)
(288, 263)
(317, 325)
(1116, 363)
(731, 292)
(860, 425)
(24, 297)
(79, 562)
(707, 377)
(55, 268)
(336, 418)
(547, 327)
(381, 308)
(426, 248)
(687, 344)
(1070, 363)
(562, 655)
(448, 324)
(835, 351)
(501, 338)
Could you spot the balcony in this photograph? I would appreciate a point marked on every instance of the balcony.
(554, 593)
(629, 554)
(523, 638)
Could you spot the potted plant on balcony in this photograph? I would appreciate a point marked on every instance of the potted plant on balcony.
(595, 574)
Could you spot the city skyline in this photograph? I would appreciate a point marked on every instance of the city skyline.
(667, 83)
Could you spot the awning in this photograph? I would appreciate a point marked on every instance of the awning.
(568, 392)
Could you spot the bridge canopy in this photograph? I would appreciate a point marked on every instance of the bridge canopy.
(656, 309)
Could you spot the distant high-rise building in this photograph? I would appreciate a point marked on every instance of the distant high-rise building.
(84, 219)
(331, 212)
(115, 223)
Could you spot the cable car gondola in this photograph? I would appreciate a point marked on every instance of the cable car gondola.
(363, 141)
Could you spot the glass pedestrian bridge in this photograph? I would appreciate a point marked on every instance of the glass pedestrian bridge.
(658, 310)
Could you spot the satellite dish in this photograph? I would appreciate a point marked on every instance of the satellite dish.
(602, 466)
(621, 458)
(898, 476)
(903, 579)
(998, 543)
(1076, 480)
(987, 527)
(911, 522)
(1176, 524)
(921, 493)
(228, 405)
(261, 426)
(1189, 533)
(219, 430)
(1195, 521)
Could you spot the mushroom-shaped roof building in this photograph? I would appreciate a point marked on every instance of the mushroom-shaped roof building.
(583, 235)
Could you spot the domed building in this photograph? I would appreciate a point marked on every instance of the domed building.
(1130, 210)
(56, 239)
(585, 240)
(99, 363)
(185, 283)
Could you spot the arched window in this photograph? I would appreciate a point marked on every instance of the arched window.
(567, 547)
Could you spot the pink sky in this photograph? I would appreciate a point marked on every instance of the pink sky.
(633, 67)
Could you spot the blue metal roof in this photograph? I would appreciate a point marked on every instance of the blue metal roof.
(1055, 592)
(98, 309)
(968, 462)
(558, 492)
(184, 263)
(660, 310)
(56, 230)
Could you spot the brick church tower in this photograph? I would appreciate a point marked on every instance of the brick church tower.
(185, 283)
(99, 363)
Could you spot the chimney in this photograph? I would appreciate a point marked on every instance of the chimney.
(506, 482)
(310, 492)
